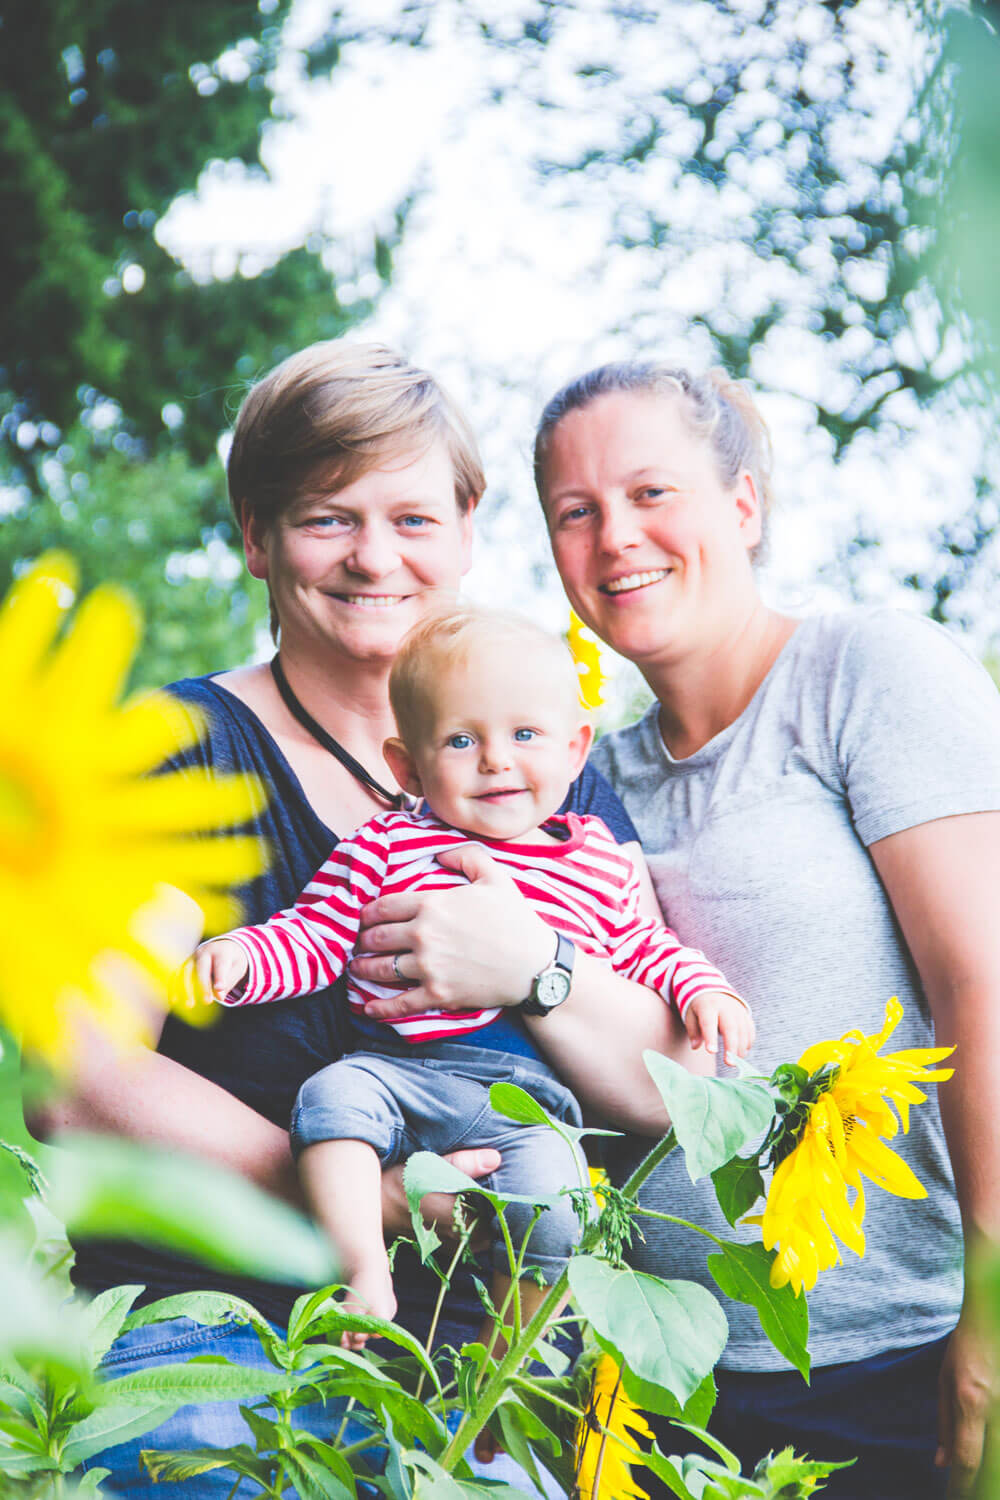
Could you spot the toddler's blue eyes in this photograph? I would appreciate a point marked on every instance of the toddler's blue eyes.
(460, 741)
(524, 734)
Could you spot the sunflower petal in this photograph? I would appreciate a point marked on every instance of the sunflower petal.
(30, 619)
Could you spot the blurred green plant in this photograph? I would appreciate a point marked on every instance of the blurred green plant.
(418, 1409)
(108, 112)
(968, 219)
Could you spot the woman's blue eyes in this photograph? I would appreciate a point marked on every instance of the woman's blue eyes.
(651, 492)
(574, 514)
(327, 523)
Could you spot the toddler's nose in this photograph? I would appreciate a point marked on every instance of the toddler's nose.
(494, 757)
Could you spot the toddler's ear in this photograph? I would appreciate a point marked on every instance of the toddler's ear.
(401, 764)
(579, 747)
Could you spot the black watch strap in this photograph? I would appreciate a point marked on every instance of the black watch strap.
(551, 986)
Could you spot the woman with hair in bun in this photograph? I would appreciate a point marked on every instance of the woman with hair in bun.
(818, 803)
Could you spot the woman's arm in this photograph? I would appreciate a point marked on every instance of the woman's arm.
(482, 944)
(943, 879)
(146, 1097)
(143, 1096)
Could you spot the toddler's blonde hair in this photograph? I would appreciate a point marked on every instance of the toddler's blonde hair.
(451, 637)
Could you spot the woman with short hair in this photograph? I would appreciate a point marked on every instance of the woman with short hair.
(354, 479)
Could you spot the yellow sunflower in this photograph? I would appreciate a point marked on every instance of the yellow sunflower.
(602, 1470)
(88, 839)
(807, 1207)
(587, 655)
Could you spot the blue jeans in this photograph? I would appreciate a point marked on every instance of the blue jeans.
(216, 1424)
(881, 1411)
(219, 1424)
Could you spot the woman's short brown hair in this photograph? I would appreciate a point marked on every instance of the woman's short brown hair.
(329, 414)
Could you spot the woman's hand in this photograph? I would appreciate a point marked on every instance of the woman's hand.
(438, 1209)
(467, 948)
(965, 1401)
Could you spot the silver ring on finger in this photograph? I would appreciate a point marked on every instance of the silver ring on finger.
(396, 969)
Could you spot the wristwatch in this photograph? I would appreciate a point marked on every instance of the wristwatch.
(551, 987)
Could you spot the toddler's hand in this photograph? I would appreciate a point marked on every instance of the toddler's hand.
(712, 1014)
(219, 966)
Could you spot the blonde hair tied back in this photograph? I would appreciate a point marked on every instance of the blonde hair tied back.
(719, 411)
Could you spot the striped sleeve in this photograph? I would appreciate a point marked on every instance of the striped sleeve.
(307, 946)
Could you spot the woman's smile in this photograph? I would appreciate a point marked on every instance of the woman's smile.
(368, 601)
(632, 582)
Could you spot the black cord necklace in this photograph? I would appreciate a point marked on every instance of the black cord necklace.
(322, 737)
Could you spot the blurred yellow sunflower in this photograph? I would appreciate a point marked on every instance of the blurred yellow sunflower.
(88, 839)
(603, 1472)
(841, 1142)
(587, 655)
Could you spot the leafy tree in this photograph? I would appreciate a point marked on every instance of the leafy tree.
(759, 183)
(108, 110)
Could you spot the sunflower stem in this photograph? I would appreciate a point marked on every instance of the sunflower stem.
(653, 1213)
(518, 1351)
(596, 1488)
(544, 1394)
(649, 1163)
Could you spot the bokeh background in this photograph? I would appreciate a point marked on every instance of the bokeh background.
(510, 190)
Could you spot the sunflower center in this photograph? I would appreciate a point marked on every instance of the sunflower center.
(25, 821)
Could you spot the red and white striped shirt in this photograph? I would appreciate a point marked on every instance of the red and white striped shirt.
(584, 886)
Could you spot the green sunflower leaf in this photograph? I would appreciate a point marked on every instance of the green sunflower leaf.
(743, 1272)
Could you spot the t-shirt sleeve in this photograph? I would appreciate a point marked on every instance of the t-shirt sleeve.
(590, 795)
(915, 723)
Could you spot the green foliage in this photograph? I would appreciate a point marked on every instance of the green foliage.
(713, 1118)
(970, 207)
(738, 1184)
(411, 1412)
(670, 1333)
(118, 112)
(781, 1476)
(113, 393)
(743, 1273)
(104, 1186)
(159, 526)
(55, 1414)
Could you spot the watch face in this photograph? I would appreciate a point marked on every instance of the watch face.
(553, 988)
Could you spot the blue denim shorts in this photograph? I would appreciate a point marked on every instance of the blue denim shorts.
(400, 1100)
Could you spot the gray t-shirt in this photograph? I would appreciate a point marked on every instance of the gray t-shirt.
(868, 722)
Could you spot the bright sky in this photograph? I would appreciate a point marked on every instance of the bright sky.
(510, 278)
